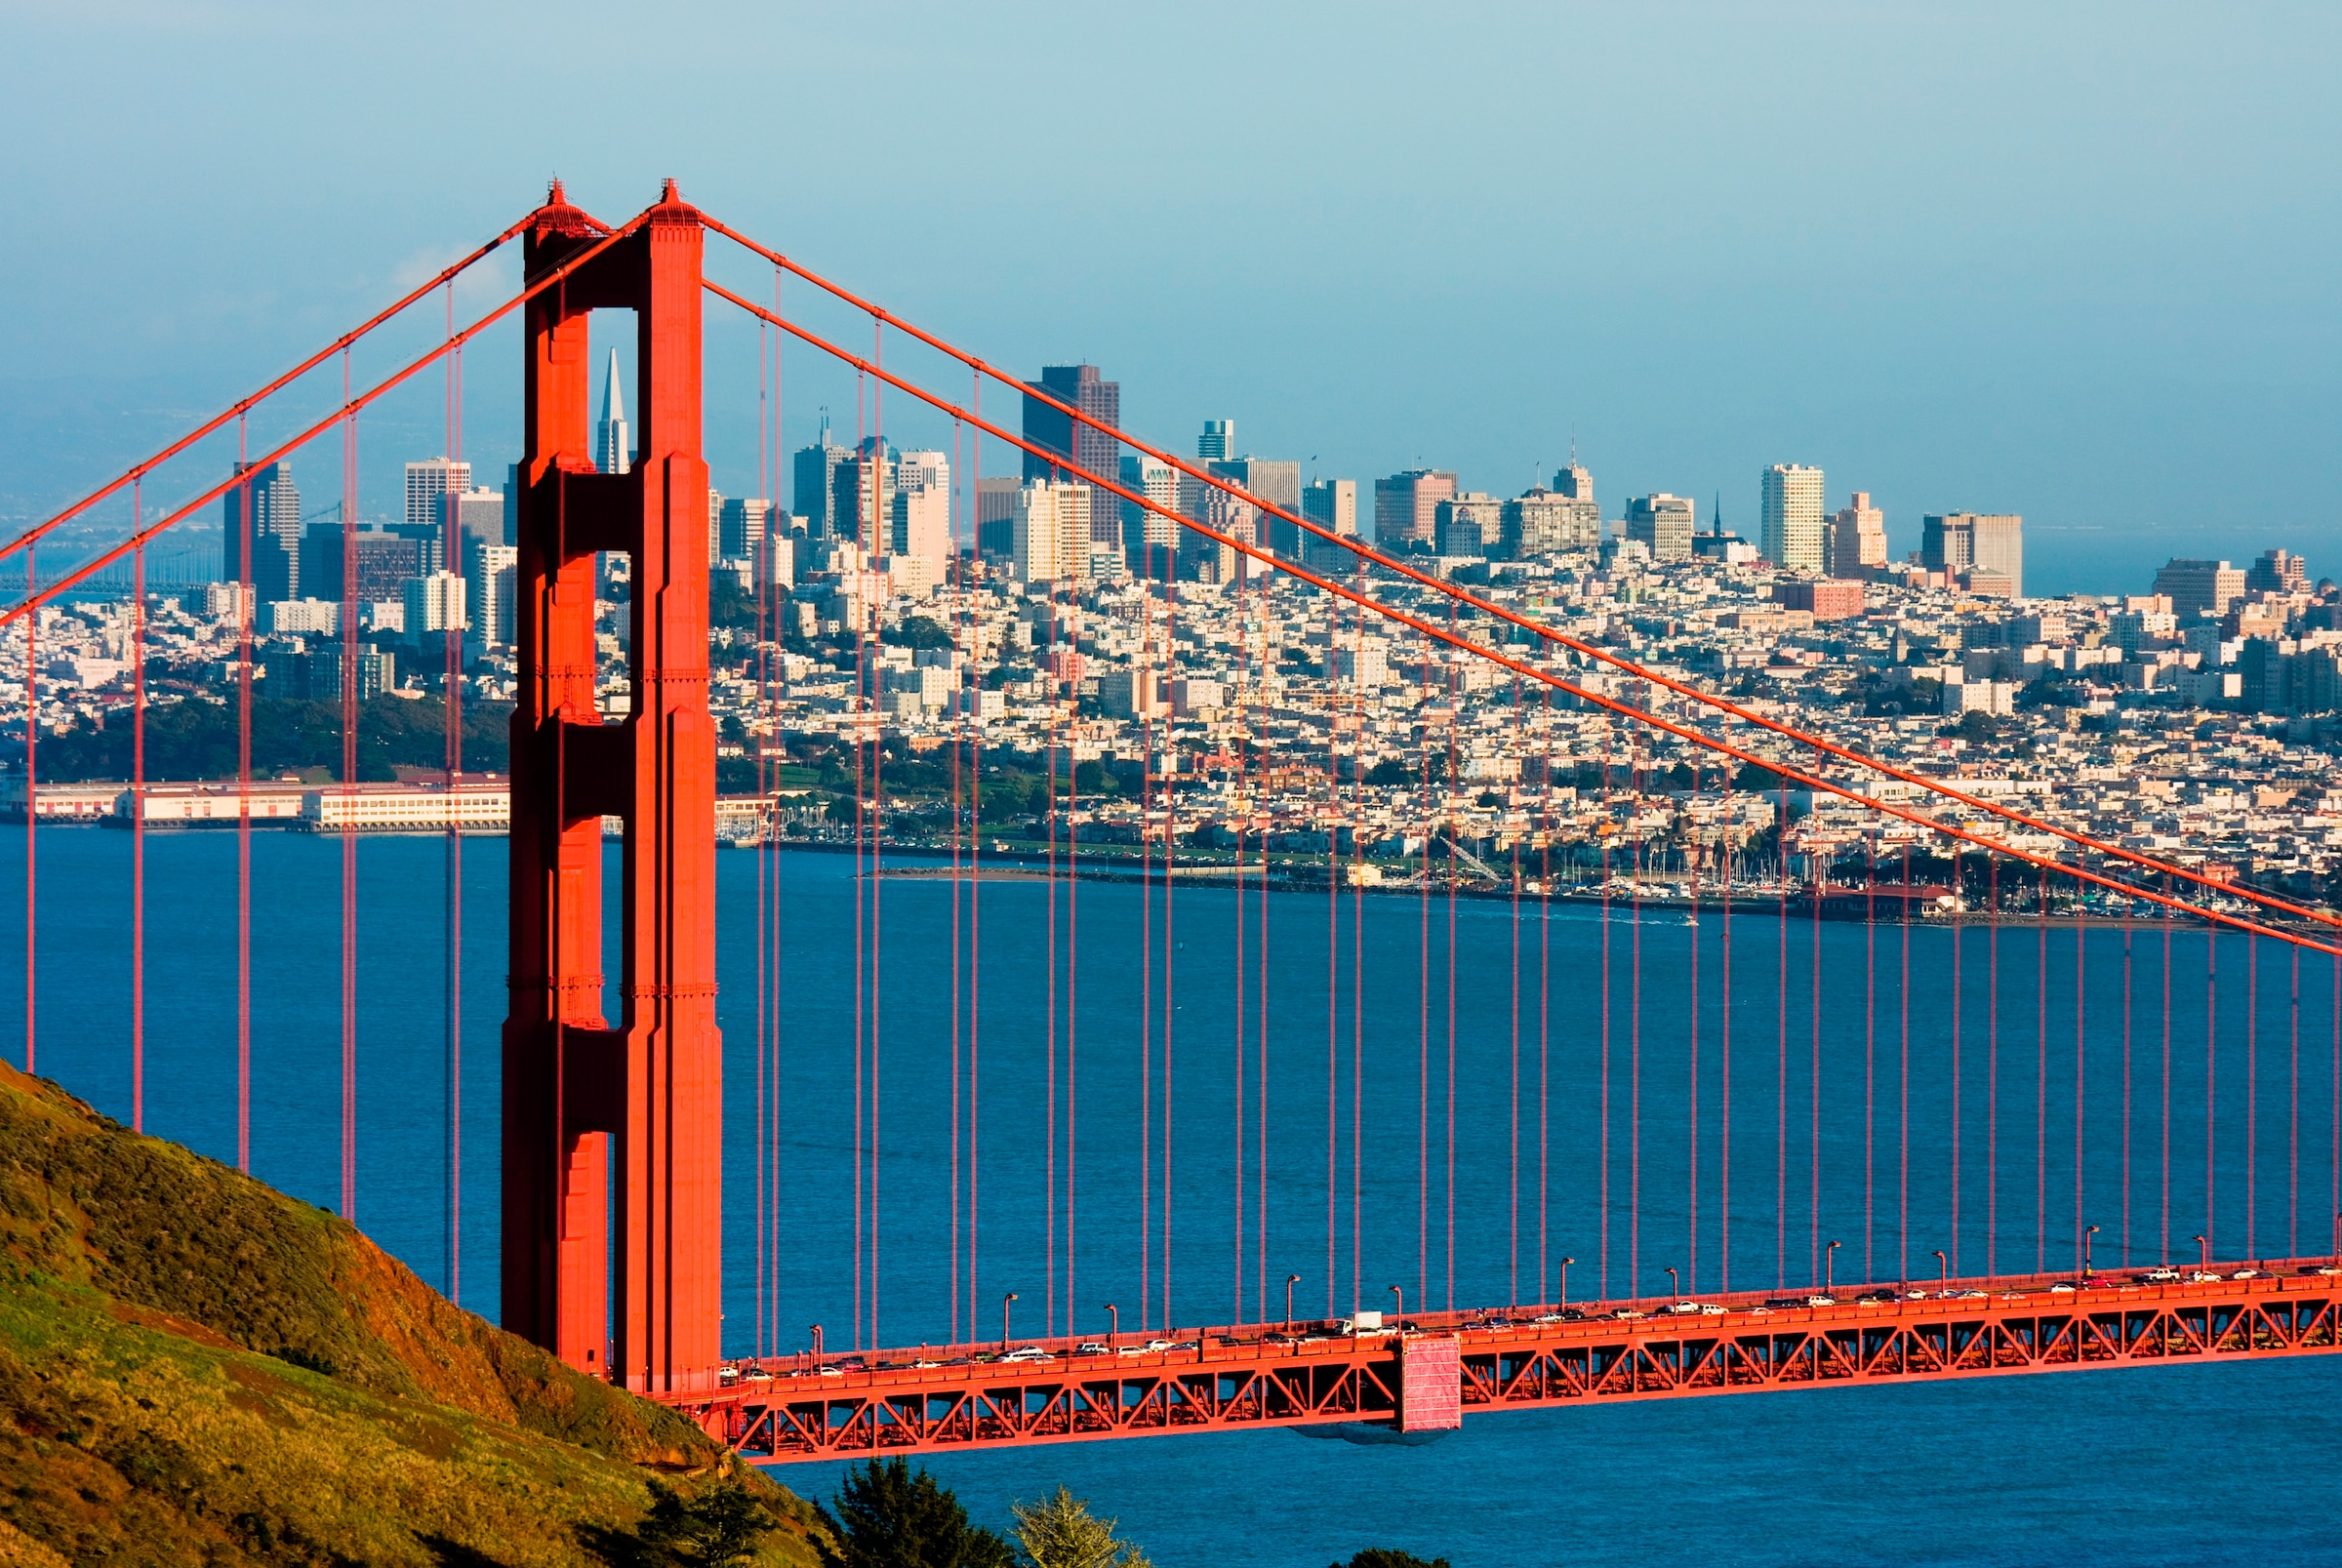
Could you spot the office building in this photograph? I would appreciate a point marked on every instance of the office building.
(613, 448)
(435, 603)
(863, 496)
(2196, 588)
(1985, 552)
(1050, 531)
(1219, 440)
(1467, 525)
(740, 527)
(474, 518)
(1541, 521)
(1059, 434)
(428, 483)
(275, 530)
(1272, 482)
(1205, 559)
(314, 674)
(1406, 506)
(1857, 540)
(489, 586)
(815, 483)
(1790, 506)
(1158, 482)
(1663, 524)
(381, 562)
(921, 524)
(2277, 572)
(1333, 505)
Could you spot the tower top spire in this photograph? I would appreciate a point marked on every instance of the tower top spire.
(614, 405)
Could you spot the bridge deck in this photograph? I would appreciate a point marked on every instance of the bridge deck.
(1217, 1380)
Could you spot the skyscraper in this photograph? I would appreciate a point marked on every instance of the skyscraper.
(1158, 482)
(612, 449)
(2195, 587)
(1857, 540)
(1957, 542)
(1790, 504)
(1406, 505)
(489, 593)
(1276, 481)
(739, 528)
(1050, 538)
(1333, 505)
(862, 504)
(426, 482)
(1219, 440)
(1082, 388)
(816, 476)
(275, 532)
(1663, 524)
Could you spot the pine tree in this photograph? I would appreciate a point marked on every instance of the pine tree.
(887, 1517)
(1060, 1532)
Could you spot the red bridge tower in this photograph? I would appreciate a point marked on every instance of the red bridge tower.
(618, 1277)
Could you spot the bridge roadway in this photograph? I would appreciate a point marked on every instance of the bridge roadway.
(1441, 1365)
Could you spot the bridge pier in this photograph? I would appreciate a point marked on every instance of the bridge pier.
(613, 1134)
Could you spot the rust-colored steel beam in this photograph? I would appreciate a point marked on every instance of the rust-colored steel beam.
(621, 1281)
(1220, 1380)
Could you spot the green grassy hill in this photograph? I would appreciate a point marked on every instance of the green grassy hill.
(196, 1368)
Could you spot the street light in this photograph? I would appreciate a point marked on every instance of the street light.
(817, 1346)
(2087, 1231)
(1674, 1287)
(1004, 1301)
(1830, 1268)
(2204, 1256)
(1114, 1334)
(1943, 1273)
(1399, 1305)
(1566, 1262)
(1290, 1281)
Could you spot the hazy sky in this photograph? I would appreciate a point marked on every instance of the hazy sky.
(2077, 262)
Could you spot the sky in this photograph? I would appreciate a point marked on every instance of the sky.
(2076, 262)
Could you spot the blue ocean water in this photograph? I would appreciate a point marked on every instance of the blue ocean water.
(2173, 1464)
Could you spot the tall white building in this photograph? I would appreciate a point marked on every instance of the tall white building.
(432, 480)
(613, 447)
(491, 583)
(1050, 540)
(1790, 504)
(1158, 482)
(435, 603)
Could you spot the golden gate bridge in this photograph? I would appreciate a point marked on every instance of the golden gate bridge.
(613, 1216)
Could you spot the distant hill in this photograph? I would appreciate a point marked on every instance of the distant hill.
(196, 1368)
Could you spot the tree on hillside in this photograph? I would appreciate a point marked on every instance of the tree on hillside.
(720, 1528)
(885, 1516)
(1060, 1532)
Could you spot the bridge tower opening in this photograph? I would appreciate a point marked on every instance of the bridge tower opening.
(612, 1132)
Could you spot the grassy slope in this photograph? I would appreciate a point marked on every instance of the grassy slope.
(194, 1367)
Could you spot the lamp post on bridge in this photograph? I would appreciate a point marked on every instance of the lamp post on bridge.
(1290, 1281)
(1566, 1263)
(1113, 1335)
(2087, 1231)
(1943, 1273)
(2204, 1255)
(1004, 1301)
(1675, 1285)
(1398, 1307)
(1830, 1269)
(817, 1347)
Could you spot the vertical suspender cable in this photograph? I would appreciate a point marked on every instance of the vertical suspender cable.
(2164, 1203)
(1603, 1104)
(1724, 1030)
(33, 808)
(1545, 993)
(1781, 1046)
(1634, 1065)
(1455, 694)
(1333, 939)
(1818, 874)
(2294, 1110)
(1992, 1066)
(1423, 1046)
(1869, 1041)
(2212, 1064)
(2040, 1082)
(962, 691)
(244, 624)
(2080, 1065)
(1143, 704)
(1260, 1236)
(1358, 985)
(138, 821)
(975, 857)
(455, 553)
(1691, 1112)
(2126, 935)
(882, 526)
(1073, 992)
(348, 627)
(1958, 892)
(2252, 1090)
(1903, 1090)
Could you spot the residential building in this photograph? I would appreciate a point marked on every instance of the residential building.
(1857, 539)
(2196, 586)
(1790, 502)
(1050, 531)
(613, 447)
(1664, 523)
(491, 584)
(434, 602)
(1824, 598)
(1158, 482)
(2277, 572)
(1061, 435)
(1406, 506)
(276, 531)
(921, 521)
(1963, 544)
(428, 484)
(863, 498)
